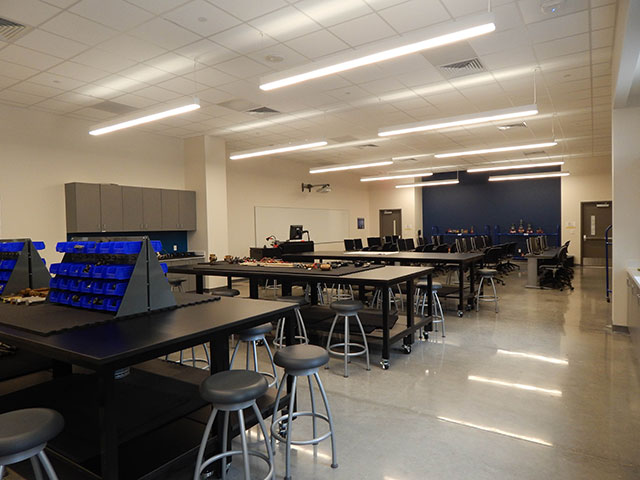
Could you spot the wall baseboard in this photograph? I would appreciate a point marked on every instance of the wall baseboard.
(620, 329)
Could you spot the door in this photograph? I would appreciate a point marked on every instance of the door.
(132, 219)
(596, 217)
(390, 222)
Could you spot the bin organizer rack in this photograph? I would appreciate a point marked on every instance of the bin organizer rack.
(119, 276)
(21, 266)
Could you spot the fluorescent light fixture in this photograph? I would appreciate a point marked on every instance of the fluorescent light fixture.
(520, 386)
(275, 149)
(534, 356)
(147, 115)
(433, 37)
(393, 177)
(409, 157)
(460, 120)
(496, 150)
(337, 168)
(527, 176)
(514, 167)
(434, 183)
(498, 431)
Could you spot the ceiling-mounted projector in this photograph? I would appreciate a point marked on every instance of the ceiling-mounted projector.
(552, 6)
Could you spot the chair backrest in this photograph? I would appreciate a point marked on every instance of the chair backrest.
(388, 239)
(410, 244)
(373, 242)
(442, 248)
(480, 242)
(358, 243)
(454, 247)
(543, 242)
(436, 239)
(402, 244)
(428, 247)
(349, 245)
(468, 242)
(493, 255)
(390, 247)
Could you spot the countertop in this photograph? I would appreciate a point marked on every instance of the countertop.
(634, 273)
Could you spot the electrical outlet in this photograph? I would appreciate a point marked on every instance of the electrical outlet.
(175, 248)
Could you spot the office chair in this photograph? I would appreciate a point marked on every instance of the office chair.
(428, 247)
(394, 238)
(374, 243)
(390, 247)
(558, 274)
(442, 248)
(493, 260)
(358, 243)
(402, 245)
(349, 245)
(420, 241)
(410, 246)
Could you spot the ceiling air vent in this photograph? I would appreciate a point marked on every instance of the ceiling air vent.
(263, 111)
(10, 31)
(472, 65)
(367, 145)
(509, 126)
(114, 107)
(537, 152)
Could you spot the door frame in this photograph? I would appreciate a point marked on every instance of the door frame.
(380, 214)
(581, 237)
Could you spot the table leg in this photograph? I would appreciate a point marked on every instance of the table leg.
(229, 281)
(472, 284)
(60, 369)
(219, 348)
(108, 427)
(286, 288)
(199, 284)
(314, 292)
(408, 340)
(430, 297)
(253, 288)
(461, 290)
(532, 273)
(362, 294)
(384, 363)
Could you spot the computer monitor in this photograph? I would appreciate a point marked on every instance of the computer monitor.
(358, 243)
(295, 232)
(349, 245)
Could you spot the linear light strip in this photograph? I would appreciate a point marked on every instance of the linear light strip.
(514, 167)
(527, 176)
(146, 117)
(429, 184)
(274, 150)
(354, 166)
(461, 120)
(534, 356)
(486, 25)
(520, 386)
(498, 431)
(496, 150)
(393, 177)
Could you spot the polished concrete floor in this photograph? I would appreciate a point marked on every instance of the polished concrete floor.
(541, 390)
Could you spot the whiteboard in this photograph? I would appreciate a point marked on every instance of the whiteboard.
(324, 225)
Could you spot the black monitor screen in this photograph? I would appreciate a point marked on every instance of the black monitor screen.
(295, 232)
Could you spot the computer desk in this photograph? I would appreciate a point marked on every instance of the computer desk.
(533, 281)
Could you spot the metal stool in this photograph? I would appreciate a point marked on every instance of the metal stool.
(376, 300)
(24, 435)
(487, 273)
(233, 391)
(422, 286)
(224, 292)
(279, 340)
(347, 309)
(251, 337)
(339, 292)
(272, 285)
(176, 284)
(299, 361)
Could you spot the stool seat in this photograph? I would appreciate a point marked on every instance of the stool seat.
(347, 306)
(257, 330)
(293, 299)
(436, 286)
(423, 283)
(176, 282)
(225, 292)
(233, 386)
(301, 357)
(22, 430)
(488, 271)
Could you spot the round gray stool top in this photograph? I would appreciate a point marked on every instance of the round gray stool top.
(488, 272)
(301, 357)
(425, 284)
(347, 306)
(225, 292)
(436, 286)
(257, 330)
(233, 386)
(22, 430)
(292, 299)
(176, 282)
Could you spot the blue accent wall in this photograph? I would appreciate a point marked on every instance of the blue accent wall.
(478, 202)
(168, 239)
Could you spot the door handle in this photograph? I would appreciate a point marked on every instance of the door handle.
(584, 237)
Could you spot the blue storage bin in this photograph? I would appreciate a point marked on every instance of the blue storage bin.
(97, 286)
(70, 247)
(12, 246)
(86, 301)
(127, 248)
(165, 267)
(86, 286)
(87, 270)
(54, 296)
(4, 276)
(75, 269)
(91, 247)
(2, 284)
(65, 298)
(112, 304)
(73, 285)
(54, 282)
(39, 245)
(115, 289)
(104, 247)
(54, 268)
(44, 261)
(60, 246)
(99, 271)
(98, 303)
(119, 272)
(75, 299)
(157, 245)
(7, 264)
(64, 268)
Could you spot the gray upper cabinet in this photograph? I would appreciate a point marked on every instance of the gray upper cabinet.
(170, 209)
(187, 210)
(111, 207)
(132, 209)
(152, 209)
(82, 203)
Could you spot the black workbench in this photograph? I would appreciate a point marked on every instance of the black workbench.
(108, 347)
(462, 260)
(382, 277)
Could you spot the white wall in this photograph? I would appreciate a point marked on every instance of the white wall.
(40, 152)
(276, 182)
(384, 195)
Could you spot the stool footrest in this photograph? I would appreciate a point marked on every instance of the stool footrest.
(362, 350)
(313, 441)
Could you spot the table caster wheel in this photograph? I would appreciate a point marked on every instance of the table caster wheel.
(425, 335)
(406, 349)
(385, 364)
(460, 313)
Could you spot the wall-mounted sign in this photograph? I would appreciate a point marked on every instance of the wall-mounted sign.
(360, 223)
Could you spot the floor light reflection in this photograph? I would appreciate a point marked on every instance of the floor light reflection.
(498, 431)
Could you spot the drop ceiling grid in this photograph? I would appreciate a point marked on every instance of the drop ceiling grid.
(169, 72)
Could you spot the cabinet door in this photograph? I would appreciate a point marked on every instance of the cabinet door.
(152, 209)
(111, 207)
(170, 209)
(132, 219)
(82, 207)
(187, 210)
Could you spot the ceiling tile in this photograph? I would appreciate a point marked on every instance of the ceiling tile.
(78, 71)
(602, 38)
(202, 17)
(243, 39)
(77, 99)
(522, 56)
(559, 27)
(28, 58)
(120, 83)
(248, 9)
(285, 24)
(173, 63)
(132, 48)
(332, 12)
(213, 95)
(603, 17)
(19, 98)
(55, 106)
(212, 77)
(164, 33)
(98, 91)
(13, 70)
(157, 93)
(114, 13)
(380, 4)
(147, 74)
(182, 85)
(599, 3)
(242, 67)
(37, 89)
(563, 46)
(507, 17)
(55, 45)
(134, 100)
(317, 44)
(499, 41)
(29, 12)
(290, 58)
(103, 60)
(93, 114)
(532, 12)
(57, 81)
(458, 8)
(158, 6)
(6, 81)
(363, 30)
(61, 3)
(415, 14)
(206, 52)
(78, 28)
(382, 86)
